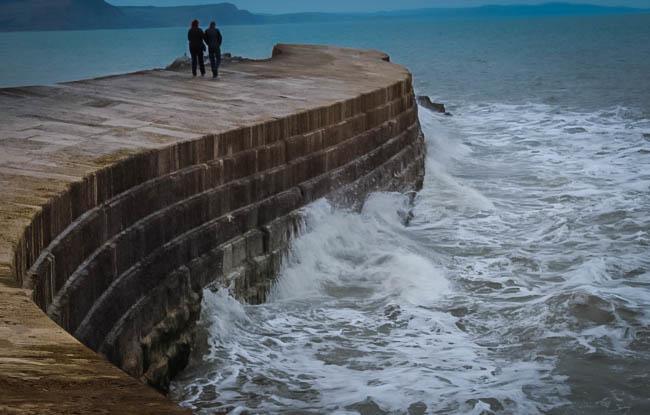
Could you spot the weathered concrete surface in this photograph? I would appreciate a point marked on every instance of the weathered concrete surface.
(122, 197)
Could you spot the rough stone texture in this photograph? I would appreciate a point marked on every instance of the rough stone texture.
(123, 197)
(184, 63)
(426, 102)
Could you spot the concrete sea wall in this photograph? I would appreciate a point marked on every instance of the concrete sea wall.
(124, 197)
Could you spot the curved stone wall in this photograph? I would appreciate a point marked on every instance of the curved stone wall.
(120, 257)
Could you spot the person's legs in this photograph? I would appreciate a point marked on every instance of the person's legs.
(194, 61)
(201, 63)
(213, 63)
(218, 59)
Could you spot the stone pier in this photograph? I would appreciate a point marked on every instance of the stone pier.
(121, 198)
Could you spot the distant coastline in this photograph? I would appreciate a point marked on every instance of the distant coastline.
(29, 15)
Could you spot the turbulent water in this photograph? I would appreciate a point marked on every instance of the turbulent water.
(522, 283)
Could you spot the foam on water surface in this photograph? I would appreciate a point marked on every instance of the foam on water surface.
(520, 286)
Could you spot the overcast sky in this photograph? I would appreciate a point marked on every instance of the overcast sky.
(285, 6)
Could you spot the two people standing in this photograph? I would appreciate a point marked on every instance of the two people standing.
(198, 39)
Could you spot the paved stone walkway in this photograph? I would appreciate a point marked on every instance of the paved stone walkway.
(54, 136)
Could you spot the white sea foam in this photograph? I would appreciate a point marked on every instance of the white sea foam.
(527, 259)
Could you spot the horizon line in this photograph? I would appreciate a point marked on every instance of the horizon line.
(437, 7)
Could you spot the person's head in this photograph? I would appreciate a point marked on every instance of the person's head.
(195, 23)
(213, 25)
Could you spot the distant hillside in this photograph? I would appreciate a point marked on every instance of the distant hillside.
(547, 9)
(57, 14)
(98, 14)
(224, 13)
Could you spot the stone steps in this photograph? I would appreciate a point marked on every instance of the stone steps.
(123, 197)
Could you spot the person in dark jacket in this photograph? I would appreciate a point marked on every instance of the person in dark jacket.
(213, 39)
(196, 36)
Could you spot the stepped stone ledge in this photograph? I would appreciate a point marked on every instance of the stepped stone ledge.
(123, 197)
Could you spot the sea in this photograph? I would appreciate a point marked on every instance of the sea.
(521, 283)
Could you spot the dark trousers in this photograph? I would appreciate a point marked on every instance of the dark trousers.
(197, 57)
(215, 61)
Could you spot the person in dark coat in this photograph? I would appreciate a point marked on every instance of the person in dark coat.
(196, 36)
(213, 39)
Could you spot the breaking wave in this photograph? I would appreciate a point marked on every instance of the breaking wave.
(521, 285)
